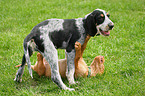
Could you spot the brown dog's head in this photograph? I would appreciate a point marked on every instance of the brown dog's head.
(99, 59)
(97, 65)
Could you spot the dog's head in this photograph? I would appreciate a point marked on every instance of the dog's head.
(98, 22)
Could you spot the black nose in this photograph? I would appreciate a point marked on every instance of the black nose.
(111, 26)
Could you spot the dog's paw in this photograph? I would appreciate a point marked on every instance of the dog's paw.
(18, 79)
(77, 82)
(72, 82)
(70, 89)
(77, 45)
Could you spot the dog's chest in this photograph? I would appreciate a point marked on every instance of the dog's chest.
(79, 24)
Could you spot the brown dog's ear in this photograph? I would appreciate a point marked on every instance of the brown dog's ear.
(90, 25)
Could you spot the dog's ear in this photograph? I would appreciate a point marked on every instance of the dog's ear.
(90, 25)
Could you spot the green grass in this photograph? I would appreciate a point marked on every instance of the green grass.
(124, 49)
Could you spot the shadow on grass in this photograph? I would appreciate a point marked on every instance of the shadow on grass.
(40, 84)
(43, 85)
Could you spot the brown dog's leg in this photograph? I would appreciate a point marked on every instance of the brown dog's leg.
(81, 69)
(78, 53)
(85, 44)
(80, 49)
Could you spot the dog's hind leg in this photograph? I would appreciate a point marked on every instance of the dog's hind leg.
(26, 58)
(20, 70)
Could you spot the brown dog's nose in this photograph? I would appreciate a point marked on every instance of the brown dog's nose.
(111, 26)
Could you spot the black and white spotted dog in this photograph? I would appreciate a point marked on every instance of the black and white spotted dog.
(51, 34)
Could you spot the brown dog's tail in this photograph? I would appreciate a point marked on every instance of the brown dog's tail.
(19, 65)
(32, 66)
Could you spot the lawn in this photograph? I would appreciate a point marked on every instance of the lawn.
(124, 49)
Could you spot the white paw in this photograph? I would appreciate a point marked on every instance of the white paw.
(72, 82)
(17, 79)
(77, 82)
(70, 89)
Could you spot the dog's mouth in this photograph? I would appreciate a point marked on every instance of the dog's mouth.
(105, 33)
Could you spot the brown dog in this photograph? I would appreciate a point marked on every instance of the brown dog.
(42, 67)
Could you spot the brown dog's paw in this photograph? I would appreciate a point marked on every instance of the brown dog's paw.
(77, 45)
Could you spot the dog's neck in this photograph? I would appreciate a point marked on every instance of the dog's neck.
(89, 71)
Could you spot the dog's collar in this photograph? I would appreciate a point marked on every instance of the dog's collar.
(89, 72)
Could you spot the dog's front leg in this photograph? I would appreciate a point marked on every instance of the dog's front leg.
(51, 56)
(70, 66)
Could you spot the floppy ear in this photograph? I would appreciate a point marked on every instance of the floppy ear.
(90, 25)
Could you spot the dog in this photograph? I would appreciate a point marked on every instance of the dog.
(42, 67)
(51, 34)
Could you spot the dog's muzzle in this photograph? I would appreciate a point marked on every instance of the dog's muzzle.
(110, 25)
(107, 32)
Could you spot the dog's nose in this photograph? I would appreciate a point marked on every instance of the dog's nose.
(111, 26)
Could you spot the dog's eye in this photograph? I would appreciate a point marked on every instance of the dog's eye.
(102, 15)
